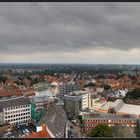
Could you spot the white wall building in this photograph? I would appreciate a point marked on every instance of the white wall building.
(95, 103)
(85, 96)
(16, 110)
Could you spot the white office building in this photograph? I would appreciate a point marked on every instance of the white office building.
(16, 110)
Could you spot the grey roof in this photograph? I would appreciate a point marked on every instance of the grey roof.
(40, 98)
(92, 96)
(106, 115)
(18, 101)
(55, 119)
(122, 131)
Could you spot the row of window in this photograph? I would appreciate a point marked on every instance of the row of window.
(84, 101)
(39, 107)
(21, 122)
(88, 129)
(39, 103)
(109, 120)
(11, 116)
(16, 107)
(16, 119)
(17, 111)
(93, 125)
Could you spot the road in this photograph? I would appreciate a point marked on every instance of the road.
(74, 130)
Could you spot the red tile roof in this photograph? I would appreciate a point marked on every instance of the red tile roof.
(41, 134)
(111, 81)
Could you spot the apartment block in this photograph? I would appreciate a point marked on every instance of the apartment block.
(15, 110)
(66, 88)
(76, 101)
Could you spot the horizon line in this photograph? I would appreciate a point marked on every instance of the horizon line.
(70, 63)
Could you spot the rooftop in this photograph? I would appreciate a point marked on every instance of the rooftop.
(78, 92)
(122, 131)
(124, 108)
(18, 101)
(106, 115)
(55, 119)
(40, 98)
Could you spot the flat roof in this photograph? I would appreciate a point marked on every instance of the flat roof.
(106, 115)
(18, 101)
(78, 92)
(107, 105)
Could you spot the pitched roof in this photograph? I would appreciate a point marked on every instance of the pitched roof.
(111, 81)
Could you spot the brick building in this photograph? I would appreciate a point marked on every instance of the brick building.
(90, 120)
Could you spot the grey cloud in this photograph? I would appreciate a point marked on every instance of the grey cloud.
(68, 27)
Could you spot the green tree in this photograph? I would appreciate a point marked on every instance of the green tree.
(3, 79)
(18, 82)
(134, 94)
(89, 85)
(101, 130)
(107, 87)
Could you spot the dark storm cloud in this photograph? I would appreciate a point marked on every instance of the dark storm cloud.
(68, 27)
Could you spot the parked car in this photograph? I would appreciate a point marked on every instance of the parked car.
(9, 133)
(27, 131)
(23, 132)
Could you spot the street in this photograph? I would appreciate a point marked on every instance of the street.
(72, 131)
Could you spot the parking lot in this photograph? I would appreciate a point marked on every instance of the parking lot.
(18, 131)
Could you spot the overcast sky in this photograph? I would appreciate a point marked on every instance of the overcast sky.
(70, 33)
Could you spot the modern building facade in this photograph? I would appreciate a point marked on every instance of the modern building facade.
(66, 88)
(72, 104)
(38, 105)
(95, 103)
(76, 101)
(15, 110)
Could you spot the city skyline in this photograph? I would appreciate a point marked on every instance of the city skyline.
(90, 33)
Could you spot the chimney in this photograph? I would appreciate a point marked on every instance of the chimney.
(44, 127)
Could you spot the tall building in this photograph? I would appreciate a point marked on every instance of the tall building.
(66, 88)
(38, 104)
(76, 101)
(72, 104)
(15, 110)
